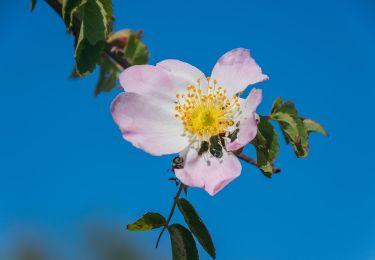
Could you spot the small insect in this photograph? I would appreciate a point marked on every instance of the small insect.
(216, 148)
(233, 136)
(204, 148)
(177, 163)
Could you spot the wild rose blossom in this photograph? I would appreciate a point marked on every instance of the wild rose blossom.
(174, 108)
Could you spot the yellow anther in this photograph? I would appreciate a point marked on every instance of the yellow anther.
(205, 112)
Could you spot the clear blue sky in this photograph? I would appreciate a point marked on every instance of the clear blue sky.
(63, 162)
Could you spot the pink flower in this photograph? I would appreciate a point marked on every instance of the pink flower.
(174, 108)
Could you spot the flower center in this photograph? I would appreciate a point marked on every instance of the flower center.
(206, 112)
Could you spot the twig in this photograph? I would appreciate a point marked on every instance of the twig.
(250, 160)
(57, 6)
(175, 200)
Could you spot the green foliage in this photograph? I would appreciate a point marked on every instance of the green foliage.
(94, 23)
(107, 5)
(276, 104)
(267, 146)
(32, 5)
(197, 226)
(295, 128)
(287, 124)
(107, 77)
(87, 55)
(147, 222)
(312, 126)
(69, 7)
(92, 36)
(135, 51)
(183, 244)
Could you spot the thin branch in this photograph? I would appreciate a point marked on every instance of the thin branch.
(175, 200)
(247, 159)
(250, 160)
(108, 48)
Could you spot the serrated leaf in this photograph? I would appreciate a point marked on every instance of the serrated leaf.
(312, 126)
(94, 23)
(276, 104)
(183, 244)
(287, 124)
(32, 5)
(197, 226)
(289, 108)
(301, 146)
(107, 77)
(107, 5)
(148, 221)
(272, 140)
(135, 51)
(265, 165)
(91, 38)
(68, 9)
(267, 145)
(87, 55)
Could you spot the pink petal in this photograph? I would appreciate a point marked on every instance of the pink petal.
(184, 71)
(248, 125)
(236, 69)
(212, 175)
(148, 124)
(149, 80)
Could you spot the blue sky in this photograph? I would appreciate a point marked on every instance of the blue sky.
(63, 163)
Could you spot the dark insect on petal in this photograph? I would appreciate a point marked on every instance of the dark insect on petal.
(204, 148)
(178, 163)
(215, 147)
(233, 136)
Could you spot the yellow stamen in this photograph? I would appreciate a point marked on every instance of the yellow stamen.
(206, 112)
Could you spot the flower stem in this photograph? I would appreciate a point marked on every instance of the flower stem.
(250, 160)
(175, 200)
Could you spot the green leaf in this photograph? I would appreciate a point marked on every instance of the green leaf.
(312, 126)
(196, 226)
(91, 38)
(107, 5)
(301, 146)
(68, 9)
(264, 164)
(267, 146)
(272, 140)
(94, 23)
(289, 108)
(288, 125)
(107, 77)
(183, 244)
(87, 55)
(276, 104)
(33, 4)
(135, 51)
(147, 222)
